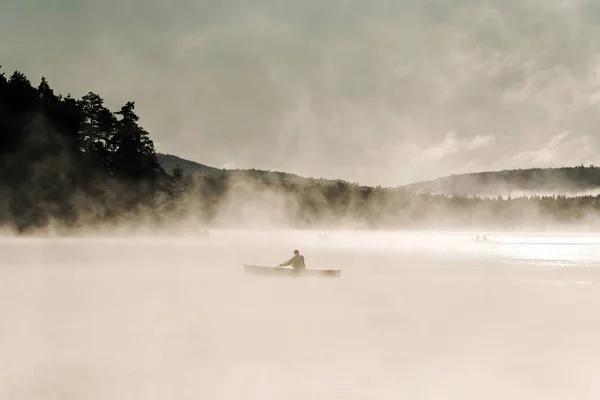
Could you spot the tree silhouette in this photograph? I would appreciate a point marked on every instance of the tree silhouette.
(61, 157)
(134, 157)
(177, 173)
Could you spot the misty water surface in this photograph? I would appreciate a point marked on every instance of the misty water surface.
(415, 315)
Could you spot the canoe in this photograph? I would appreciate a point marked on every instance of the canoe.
(274, 271)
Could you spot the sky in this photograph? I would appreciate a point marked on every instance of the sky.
(380, 92)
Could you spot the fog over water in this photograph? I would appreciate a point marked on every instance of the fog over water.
(415, 315)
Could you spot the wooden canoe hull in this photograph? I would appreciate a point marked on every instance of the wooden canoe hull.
(273, 271)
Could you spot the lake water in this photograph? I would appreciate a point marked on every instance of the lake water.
(415, 316)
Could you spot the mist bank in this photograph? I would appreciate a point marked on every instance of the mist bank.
(246, 202)
(70, 165)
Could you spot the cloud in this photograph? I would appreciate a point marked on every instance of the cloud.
(480, 141)
(366, 91)
(563, 147)
(450, 145)
(453, 144)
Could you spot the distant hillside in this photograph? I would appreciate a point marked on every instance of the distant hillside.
(535, 180)
(541, 181)
(169, 161)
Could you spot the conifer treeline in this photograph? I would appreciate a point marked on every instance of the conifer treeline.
(70, 161)
(73, 163)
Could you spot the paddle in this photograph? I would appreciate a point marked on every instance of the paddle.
(281, 265)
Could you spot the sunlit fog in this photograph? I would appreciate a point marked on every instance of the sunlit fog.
(414, 315)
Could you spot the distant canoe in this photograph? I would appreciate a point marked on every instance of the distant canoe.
(274, 271)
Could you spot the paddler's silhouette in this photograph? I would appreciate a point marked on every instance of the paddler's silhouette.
(297, 262)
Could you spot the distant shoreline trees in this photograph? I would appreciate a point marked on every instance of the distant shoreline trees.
(74, 164)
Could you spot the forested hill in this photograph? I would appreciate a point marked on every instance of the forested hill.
(543, 180)
(169, 162)
(535, 180)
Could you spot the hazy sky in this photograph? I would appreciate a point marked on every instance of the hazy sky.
(380, 92)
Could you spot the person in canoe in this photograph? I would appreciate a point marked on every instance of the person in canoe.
(297, 262)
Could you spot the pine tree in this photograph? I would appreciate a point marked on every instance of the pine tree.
(135, 156)
(97, 132)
